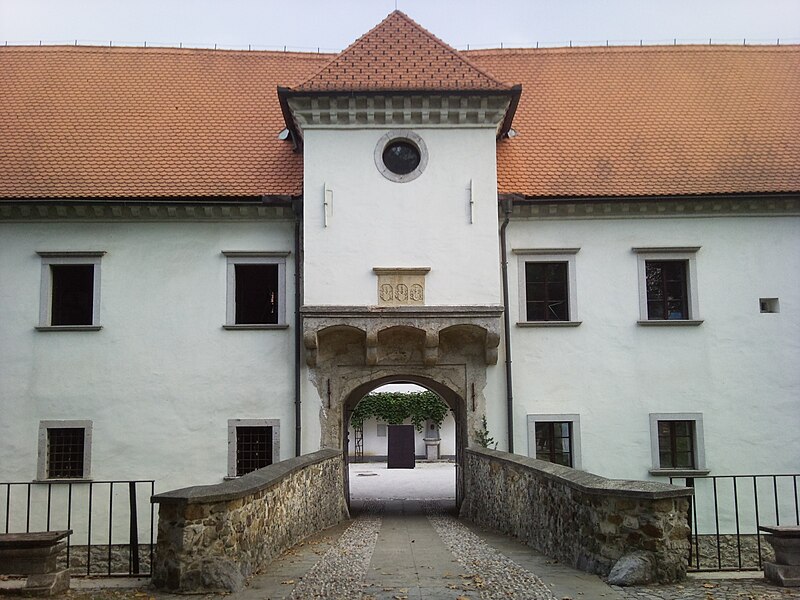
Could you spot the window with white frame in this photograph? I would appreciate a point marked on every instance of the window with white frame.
(252, 444)
(668, 286)
(64, 449)
(70, 291)
(555, 438)
(676, 441)
(547, 287)
(256, 290)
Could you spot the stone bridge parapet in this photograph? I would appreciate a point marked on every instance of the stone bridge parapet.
(583, 520)
(213, 537)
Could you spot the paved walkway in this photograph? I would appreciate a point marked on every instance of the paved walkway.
(405, 543)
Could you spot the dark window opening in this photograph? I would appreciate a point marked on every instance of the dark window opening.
(256, 294)
(253, 448)
(65, 452)
(554, 442)
(667, 297)
(401, 157)
(73, 295)
(676, 444)
(546, 291)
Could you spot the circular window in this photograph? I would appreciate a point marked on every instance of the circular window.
(401, 156)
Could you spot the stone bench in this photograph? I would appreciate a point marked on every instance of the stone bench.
(785, 540)
(35, 556)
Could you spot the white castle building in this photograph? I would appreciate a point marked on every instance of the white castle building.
(208, 257)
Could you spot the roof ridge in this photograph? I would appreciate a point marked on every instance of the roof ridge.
(448, 47)
(636, 48)
(92, 48)
(345, 54)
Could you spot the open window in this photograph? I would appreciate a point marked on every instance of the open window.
(70, 291)
(547, 296)
(256, 290)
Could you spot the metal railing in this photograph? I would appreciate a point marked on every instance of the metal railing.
(725, 515)
(113, 522)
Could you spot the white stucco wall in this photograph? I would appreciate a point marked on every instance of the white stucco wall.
(162, 377)
(739, 368)
(375, 222)
(377, 446)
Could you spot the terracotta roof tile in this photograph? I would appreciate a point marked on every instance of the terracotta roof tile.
(105, 122)
(117, 122)
(399, 54)
(652, 121)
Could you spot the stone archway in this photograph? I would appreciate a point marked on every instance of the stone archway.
(450, 396)
(353, 350)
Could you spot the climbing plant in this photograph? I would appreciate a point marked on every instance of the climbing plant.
(396, 407)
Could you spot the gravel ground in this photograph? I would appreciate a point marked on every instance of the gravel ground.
(340, 572)
(493, 575)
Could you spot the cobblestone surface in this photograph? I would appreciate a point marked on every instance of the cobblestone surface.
(340, 572)
(492, 575)
(717, 589)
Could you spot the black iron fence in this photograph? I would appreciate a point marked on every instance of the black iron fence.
(113, 522)
(726, 513)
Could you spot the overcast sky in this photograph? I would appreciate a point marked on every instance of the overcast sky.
(334, 24)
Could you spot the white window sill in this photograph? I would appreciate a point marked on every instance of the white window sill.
(671, 322)
(679, 472)
(254, 326)
(69, 327)
(548, 323)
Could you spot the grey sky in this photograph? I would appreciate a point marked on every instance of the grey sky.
(333, 24)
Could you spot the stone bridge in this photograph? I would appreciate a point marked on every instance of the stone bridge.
(214, 538)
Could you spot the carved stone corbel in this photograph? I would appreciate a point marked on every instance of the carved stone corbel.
(311, 343)
(492, 344)
(431, 352)
(372, 346)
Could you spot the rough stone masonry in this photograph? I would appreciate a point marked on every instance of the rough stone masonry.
(581, 519)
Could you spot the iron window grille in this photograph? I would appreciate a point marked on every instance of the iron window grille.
(253, 449)
(65, 452)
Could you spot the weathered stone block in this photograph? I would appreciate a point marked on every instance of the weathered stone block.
(636, 568)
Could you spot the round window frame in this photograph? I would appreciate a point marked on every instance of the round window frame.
(401, 136)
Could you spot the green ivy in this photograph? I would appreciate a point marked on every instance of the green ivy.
(396, 407)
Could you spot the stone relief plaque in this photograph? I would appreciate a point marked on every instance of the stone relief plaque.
(401, 286)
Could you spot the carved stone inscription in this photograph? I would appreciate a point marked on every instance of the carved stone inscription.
(401, 286)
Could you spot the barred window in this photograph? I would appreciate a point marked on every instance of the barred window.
(253, 449)
(64, 449)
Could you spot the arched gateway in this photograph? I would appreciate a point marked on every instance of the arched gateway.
(351, 351)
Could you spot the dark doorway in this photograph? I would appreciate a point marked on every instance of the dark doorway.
(401, 447)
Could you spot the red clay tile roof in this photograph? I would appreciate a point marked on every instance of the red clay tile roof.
(399, 54)
(651, 121)
(106, 122)
(124, 122)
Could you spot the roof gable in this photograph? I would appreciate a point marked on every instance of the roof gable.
(398, 54)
